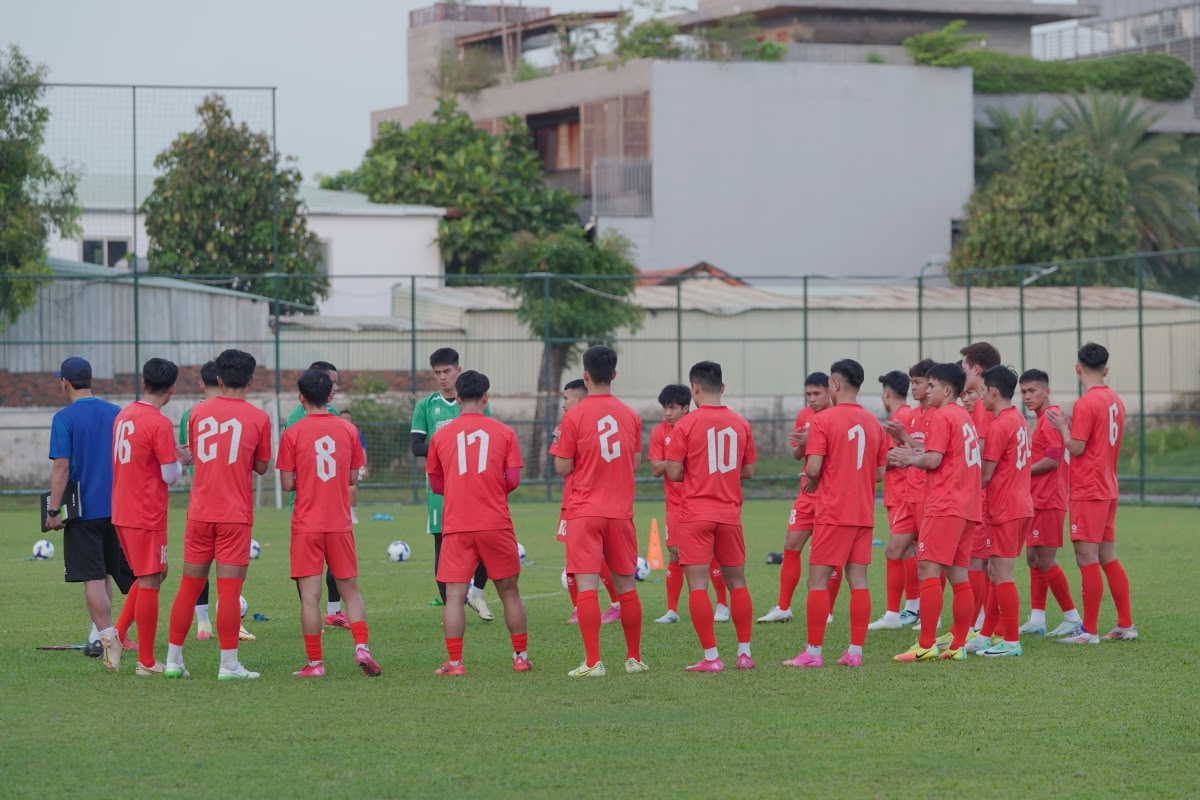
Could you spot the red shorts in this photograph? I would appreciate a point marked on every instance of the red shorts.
(1047, 528)
(223, 542)
(945, 541)
(462, 552)
(800, 518)
(562, 531)
(701, 542)
(312, 551)
(1093, 520)
(145, 550)
(979, 540)
(1005, 540)
(901, 522)
(592, 541)
(672, 521)
(839, 545)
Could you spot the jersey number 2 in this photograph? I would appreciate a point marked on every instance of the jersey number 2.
(206, 445)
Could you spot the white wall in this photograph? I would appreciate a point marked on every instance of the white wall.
(101, 225)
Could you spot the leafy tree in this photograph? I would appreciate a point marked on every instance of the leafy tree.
(1004, 132)
(35, 196)
(211, 211)
(736, 38)
(1057, 202)
(651, 38)
(577, 311)
(941, 48)
(493, 183)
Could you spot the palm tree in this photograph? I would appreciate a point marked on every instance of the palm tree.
(1003, 132)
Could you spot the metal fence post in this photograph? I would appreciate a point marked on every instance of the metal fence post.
(1021, 316)
(1078, 319)
(412, 335)
(920, 318)
(967, 277)
(275, 254)
(679, 327)
(547, 390)
(1141, 285)
(806, 325)
(137, 311)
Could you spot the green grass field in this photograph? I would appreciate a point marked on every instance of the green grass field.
(1119, 720)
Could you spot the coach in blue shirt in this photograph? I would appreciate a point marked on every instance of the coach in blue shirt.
(81, 438)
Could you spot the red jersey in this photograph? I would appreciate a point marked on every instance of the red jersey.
(852, 442)
(601, 434)
(660, 440)
(1097, 420)
(982, 419)
(227, 436)
(1049, 489)
(952, 490)
(712, 443)
(895, 481)
(472, 453)
(143, 440)
(918, 425)
(1008, 494)
(323, 450)
(566, 491)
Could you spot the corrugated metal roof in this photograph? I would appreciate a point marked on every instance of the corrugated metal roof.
(364, 324)
(63, 268)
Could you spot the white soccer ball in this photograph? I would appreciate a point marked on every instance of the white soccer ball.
(399, 551)
(564, 582)
(643, 569)
(521, 552)
(244, 605)
(43, 550)
(254, 548)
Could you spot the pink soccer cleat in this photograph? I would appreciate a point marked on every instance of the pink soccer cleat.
(849, 659)
(521, 664)
(311, 671)
(128, 644)
(369, 667)
(574, 618)
(803, 659)
(450, 669)
(744, 661)
(704, 665)
(337, 620)
(611, 614)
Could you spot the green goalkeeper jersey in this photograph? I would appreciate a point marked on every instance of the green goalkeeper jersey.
(430, 414)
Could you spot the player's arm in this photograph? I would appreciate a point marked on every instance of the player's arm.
(812, 473)
(674, 471)
(420, 444)
(564, 466)
(798, 439)
(419, 432)
(989, 469)
(1049, 463)
(910, 457)
(433, 471)
(260, 467)
(59, 472)
(658, 468)
(1063, 424)
(287, 480)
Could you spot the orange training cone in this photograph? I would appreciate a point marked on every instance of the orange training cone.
(654, 555)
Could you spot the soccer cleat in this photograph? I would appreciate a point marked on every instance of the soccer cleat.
(574, 618)
(158, 669)
(633, 666)
(1003, 649)
(353, 516)
(917, 627)
(521, 664)
(803, 659)
(909, 617)
(337, 620)
(744, 661)
(978, 644)
(829, 620)
(917, 653)
(704, 665)
(584, 671)
(954, 655)
(176, 671)
(93, 649)
(310, 671)
(671, 616)
(943, 641)
(1080, 636)
(1032, 628)
(885, 624)
(238, 673)
(204, 631)
(245, 635)
(479, 605)
(128, 644)
(1119, 634)
(777, 614)
(1064, 628)
(849, 659)
(112, 651)
(611, 614)
(370, 667)
(721, 613)
(450, 669)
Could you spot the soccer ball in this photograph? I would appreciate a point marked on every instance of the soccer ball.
(244, 605)
(43, 550)
(521, 552)
(254, 548)
(643, 569)
(399, 551)
(564, 582)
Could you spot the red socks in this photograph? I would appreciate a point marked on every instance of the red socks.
(979, 590)
(931, 609)
(718, 581)
(912, 584)
(147, 623)
(588, 606)
(1037, 589)
(1093, 594)
(1009, 603)
(789, 578)
(520, 642)
(183, 607)
(963, 604)
(312, 646)
(573, 590)
(835, 585)
(1056, 579)
(1118, 584)
(454, 648)
(817, 612)
(129, 614)
(229, 612)
(631, 623)
(606, 579)
(741, 610)
(359, 631)
(991, 611)
(674, 585)
(860, 615)
(701, 608)
(895, 585)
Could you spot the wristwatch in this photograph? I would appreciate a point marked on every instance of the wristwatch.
(54, 512)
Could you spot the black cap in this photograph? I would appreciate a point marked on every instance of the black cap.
(75, 369)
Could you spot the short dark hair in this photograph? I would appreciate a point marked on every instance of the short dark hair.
(576, 385)
(346, 412)
(921, 368)
(1002, 378)
(707, 375)
(675, 394)
(444, 357)
(600, 361)
(1093, 356)
(849, 369)
(981, 354)
(323, 365)
(315, 386)
(817, 379)
(897, 381)
(949, 373)
(158, 375)
(472, 385)
(80, 383)
(236, 368)
(208, 374)
(1035, 376)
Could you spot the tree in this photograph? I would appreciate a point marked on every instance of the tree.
(1004, 132)
(213, 209)
(1057, 202)
(35, 196)
(492, 182)
(576, 311)
(652, 38)
(941, 48)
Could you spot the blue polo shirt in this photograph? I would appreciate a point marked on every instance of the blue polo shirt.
(83, 432)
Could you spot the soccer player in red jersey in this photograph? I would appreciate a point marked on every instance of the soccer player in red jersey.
(600, 446)
(231, 443)
(1008, 515)
(901, 525)
(847, 455)
(145, 461)
(800, 518)
(475, 462)
(1093, 438)
(676, 401)
(319, 459)
(976, 359)
(1048, 485)
(711, 453)
(952, 504)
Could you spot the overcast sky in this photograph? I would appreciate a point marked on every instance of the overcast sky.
(332, 64)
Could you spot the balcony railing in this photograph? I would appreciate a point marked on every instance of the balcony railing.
(460, 12)
(1150, 31)
(621, 187)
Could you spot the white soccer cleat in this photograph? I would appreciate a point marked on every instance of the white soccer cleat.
(909, 617)
(829, 620)
(1064, 628)
(886, 624)
(1032, 627)
(176, 671)
(1080, 637)
(978, 644)
(245, 635)
(481, 607)
(1119, 634)
(917, 627)
(111, 643)
(353, 516)
(721, 614)
(239, 673)
(668, 618)
(777, 614)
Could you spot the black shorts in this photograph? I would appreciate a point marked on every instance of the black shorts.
(91, 550)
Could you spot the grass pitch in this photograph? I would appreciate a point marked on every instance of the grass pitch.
(1120, 719)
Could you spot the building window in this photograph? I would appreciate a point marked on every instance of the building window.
(323, 256)
(105, 252)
